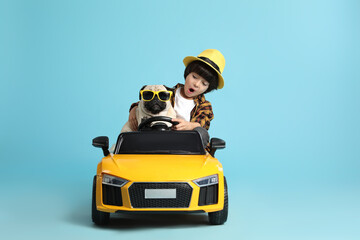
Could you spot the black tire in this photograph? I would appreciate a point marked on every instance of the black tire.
(98, 217)
(220, 217)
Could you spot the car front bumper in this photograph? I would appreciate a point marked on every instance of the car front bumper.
(175, 196)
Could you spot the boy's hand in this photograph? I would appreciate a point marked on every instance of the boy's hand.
(184, 125)
(132, 119)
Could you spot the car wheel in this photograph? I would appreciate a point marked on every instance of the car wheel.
(220, 217)
(98, 217)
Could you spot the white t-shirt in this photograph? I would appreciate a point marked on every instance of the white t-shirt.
(183, 106)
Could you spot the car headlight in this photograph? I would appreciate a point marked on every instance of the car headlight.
(207, 181)
(113, 181)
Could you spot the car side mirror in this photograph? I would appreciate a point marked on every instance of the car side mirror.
(215, 144)
(103, 143)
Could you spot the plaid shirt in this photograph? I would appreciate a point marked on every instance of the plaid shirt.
(202, 112)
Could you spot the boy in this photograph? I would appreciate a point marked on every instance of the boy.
(202, 75)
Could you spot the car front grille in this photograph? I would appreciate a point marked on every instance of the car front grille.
(112, 195)
(208, 195)
(182, 200)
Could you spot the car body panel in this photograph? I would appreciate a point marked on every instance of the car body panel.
(141, 167)
(159, 168)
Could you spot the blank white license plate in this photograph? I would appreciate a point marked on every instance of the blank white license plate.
(160, 193)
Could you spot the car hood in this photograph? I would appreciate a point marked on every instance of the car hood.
(160, 167)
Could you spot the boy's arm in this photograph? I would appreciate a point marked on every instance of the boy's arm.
(133, 105)
(184, 125)
(203, 115)
(132, 116)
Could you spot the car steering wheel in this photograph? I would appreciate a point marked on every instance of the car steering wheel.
(160, 126)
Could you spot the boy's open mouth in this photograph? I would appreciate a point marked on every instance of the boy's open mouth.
(191, 90)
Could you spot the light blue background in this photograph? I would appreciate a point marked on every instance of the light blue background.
(289, 111)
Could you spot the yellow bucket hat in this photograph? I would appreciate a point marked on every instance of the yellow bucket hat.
(214, 59)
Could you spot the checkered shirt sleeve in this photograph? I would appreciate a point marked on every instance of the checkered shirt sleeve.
(203, 114)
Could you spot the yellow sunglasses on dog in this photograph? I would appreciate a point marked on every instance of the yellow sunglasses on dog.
(148, 95)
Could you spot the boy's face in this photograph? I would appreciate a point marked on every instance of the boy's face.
(195, 85)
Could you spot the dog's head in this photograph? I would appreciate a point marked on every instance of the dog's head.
(155, 106)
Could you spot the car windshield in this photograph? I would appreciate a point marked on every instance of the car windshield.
(160, 142)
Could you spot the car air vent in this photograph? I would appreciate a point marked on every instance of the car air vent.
(181, 199)
(208, 195)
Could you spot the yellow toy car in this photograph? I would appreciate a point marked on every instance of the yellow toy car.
(158, 170)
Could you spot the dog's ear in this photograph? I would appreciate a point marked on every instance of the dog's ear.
(140, 90)
(169, 89)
